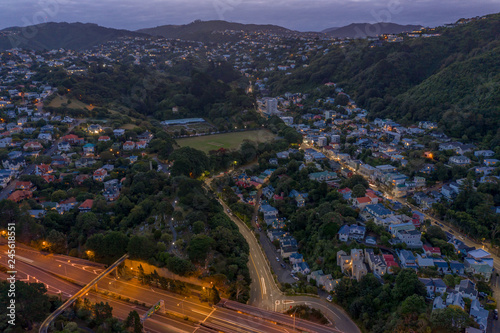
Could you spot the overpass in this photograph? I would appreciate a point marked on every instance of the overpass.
(46, 323)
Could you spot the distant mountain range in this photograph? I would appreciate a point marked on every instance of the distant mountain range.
(46, 36)
(79, 36)
(202, 30)
(362, 30)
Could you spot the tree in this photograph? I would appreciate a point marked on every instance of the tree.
(32, 304)
(57, 242)
(140, 247)
(109, 247)
(199, 247)
(101, 312)
(412, 306)
(133, 322)
(358, 191)
(59, 195)
(451, 318)
(408, 284)
(198, 227)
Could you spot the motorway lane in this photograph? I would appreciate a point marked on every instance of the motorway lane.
(133, 290)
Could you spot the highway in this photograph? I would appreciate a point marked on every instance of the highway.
(35, 266)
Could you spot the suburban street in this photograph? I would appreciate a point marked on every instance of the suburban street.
(266, 295)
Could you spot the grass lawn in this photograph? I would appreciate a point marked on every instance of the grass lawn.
(226, 140)
(58, 101)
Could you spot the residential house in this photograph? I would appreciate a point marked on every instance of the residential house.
(141, 144)
(20, 185)
(390, 262)
(467, 288)
(288, 245)
(43, 169)
(346, 193)
(296, 258)
(407, 259)
(100, 174)
(86, 206)
(378, 212)
(431, 251)
(456, 299)
(362, 202)
(479, 314)
(64, 146)
(424, 261)
(268, 211)
(118, 132)
(433, 286)
(490, 162)
(129, 145)
(72, 139)
(32, 145)
(442, 266)
(104, 138)
(344, 233)
(20, 195)
(459, 160)
(478, 267)
(322, 176)
(375, 262)
(67, 205)
(457, 267)
(410, 237)
(357, 232)
(88, 149)
(302, 268)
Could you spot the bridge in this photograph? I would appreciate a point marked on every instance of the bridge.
(46, 323)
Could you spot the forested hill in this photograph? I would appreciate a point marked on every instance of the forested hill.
(204, 30)
(453, 79)
(362, 30)
(48, 36)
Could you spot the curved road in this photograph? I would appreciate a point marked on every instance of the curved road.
(266, 294)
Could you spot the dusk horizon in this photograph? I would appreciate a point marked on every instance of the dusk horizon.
(316, 16)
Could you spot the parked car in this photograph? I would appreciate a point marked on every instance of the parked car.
(283, 265)
(329, 298)
(277, 259)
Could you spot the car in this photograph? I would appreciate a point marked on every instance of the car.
(283, 265)
(295, 278)
(260, 229)
(277, 259)
(329, 298)
(461, 237)
(451, 231)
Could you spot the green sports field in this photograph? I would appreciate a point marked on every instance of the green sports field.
(226, 140)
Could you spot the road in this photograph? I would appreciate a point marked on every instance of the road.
(4, 193)
(265, 294)
(35, 266)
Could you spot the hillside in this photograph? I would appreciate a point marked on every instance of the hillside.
(452, 79)
(46, 36)
(361, 30)
(203, 30)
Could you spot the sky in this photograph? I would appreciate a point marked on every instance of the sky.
(302, 15)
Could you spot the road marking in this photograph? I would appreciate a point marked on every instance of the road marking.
(209, 315)
(263, 286)
(29, 261)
